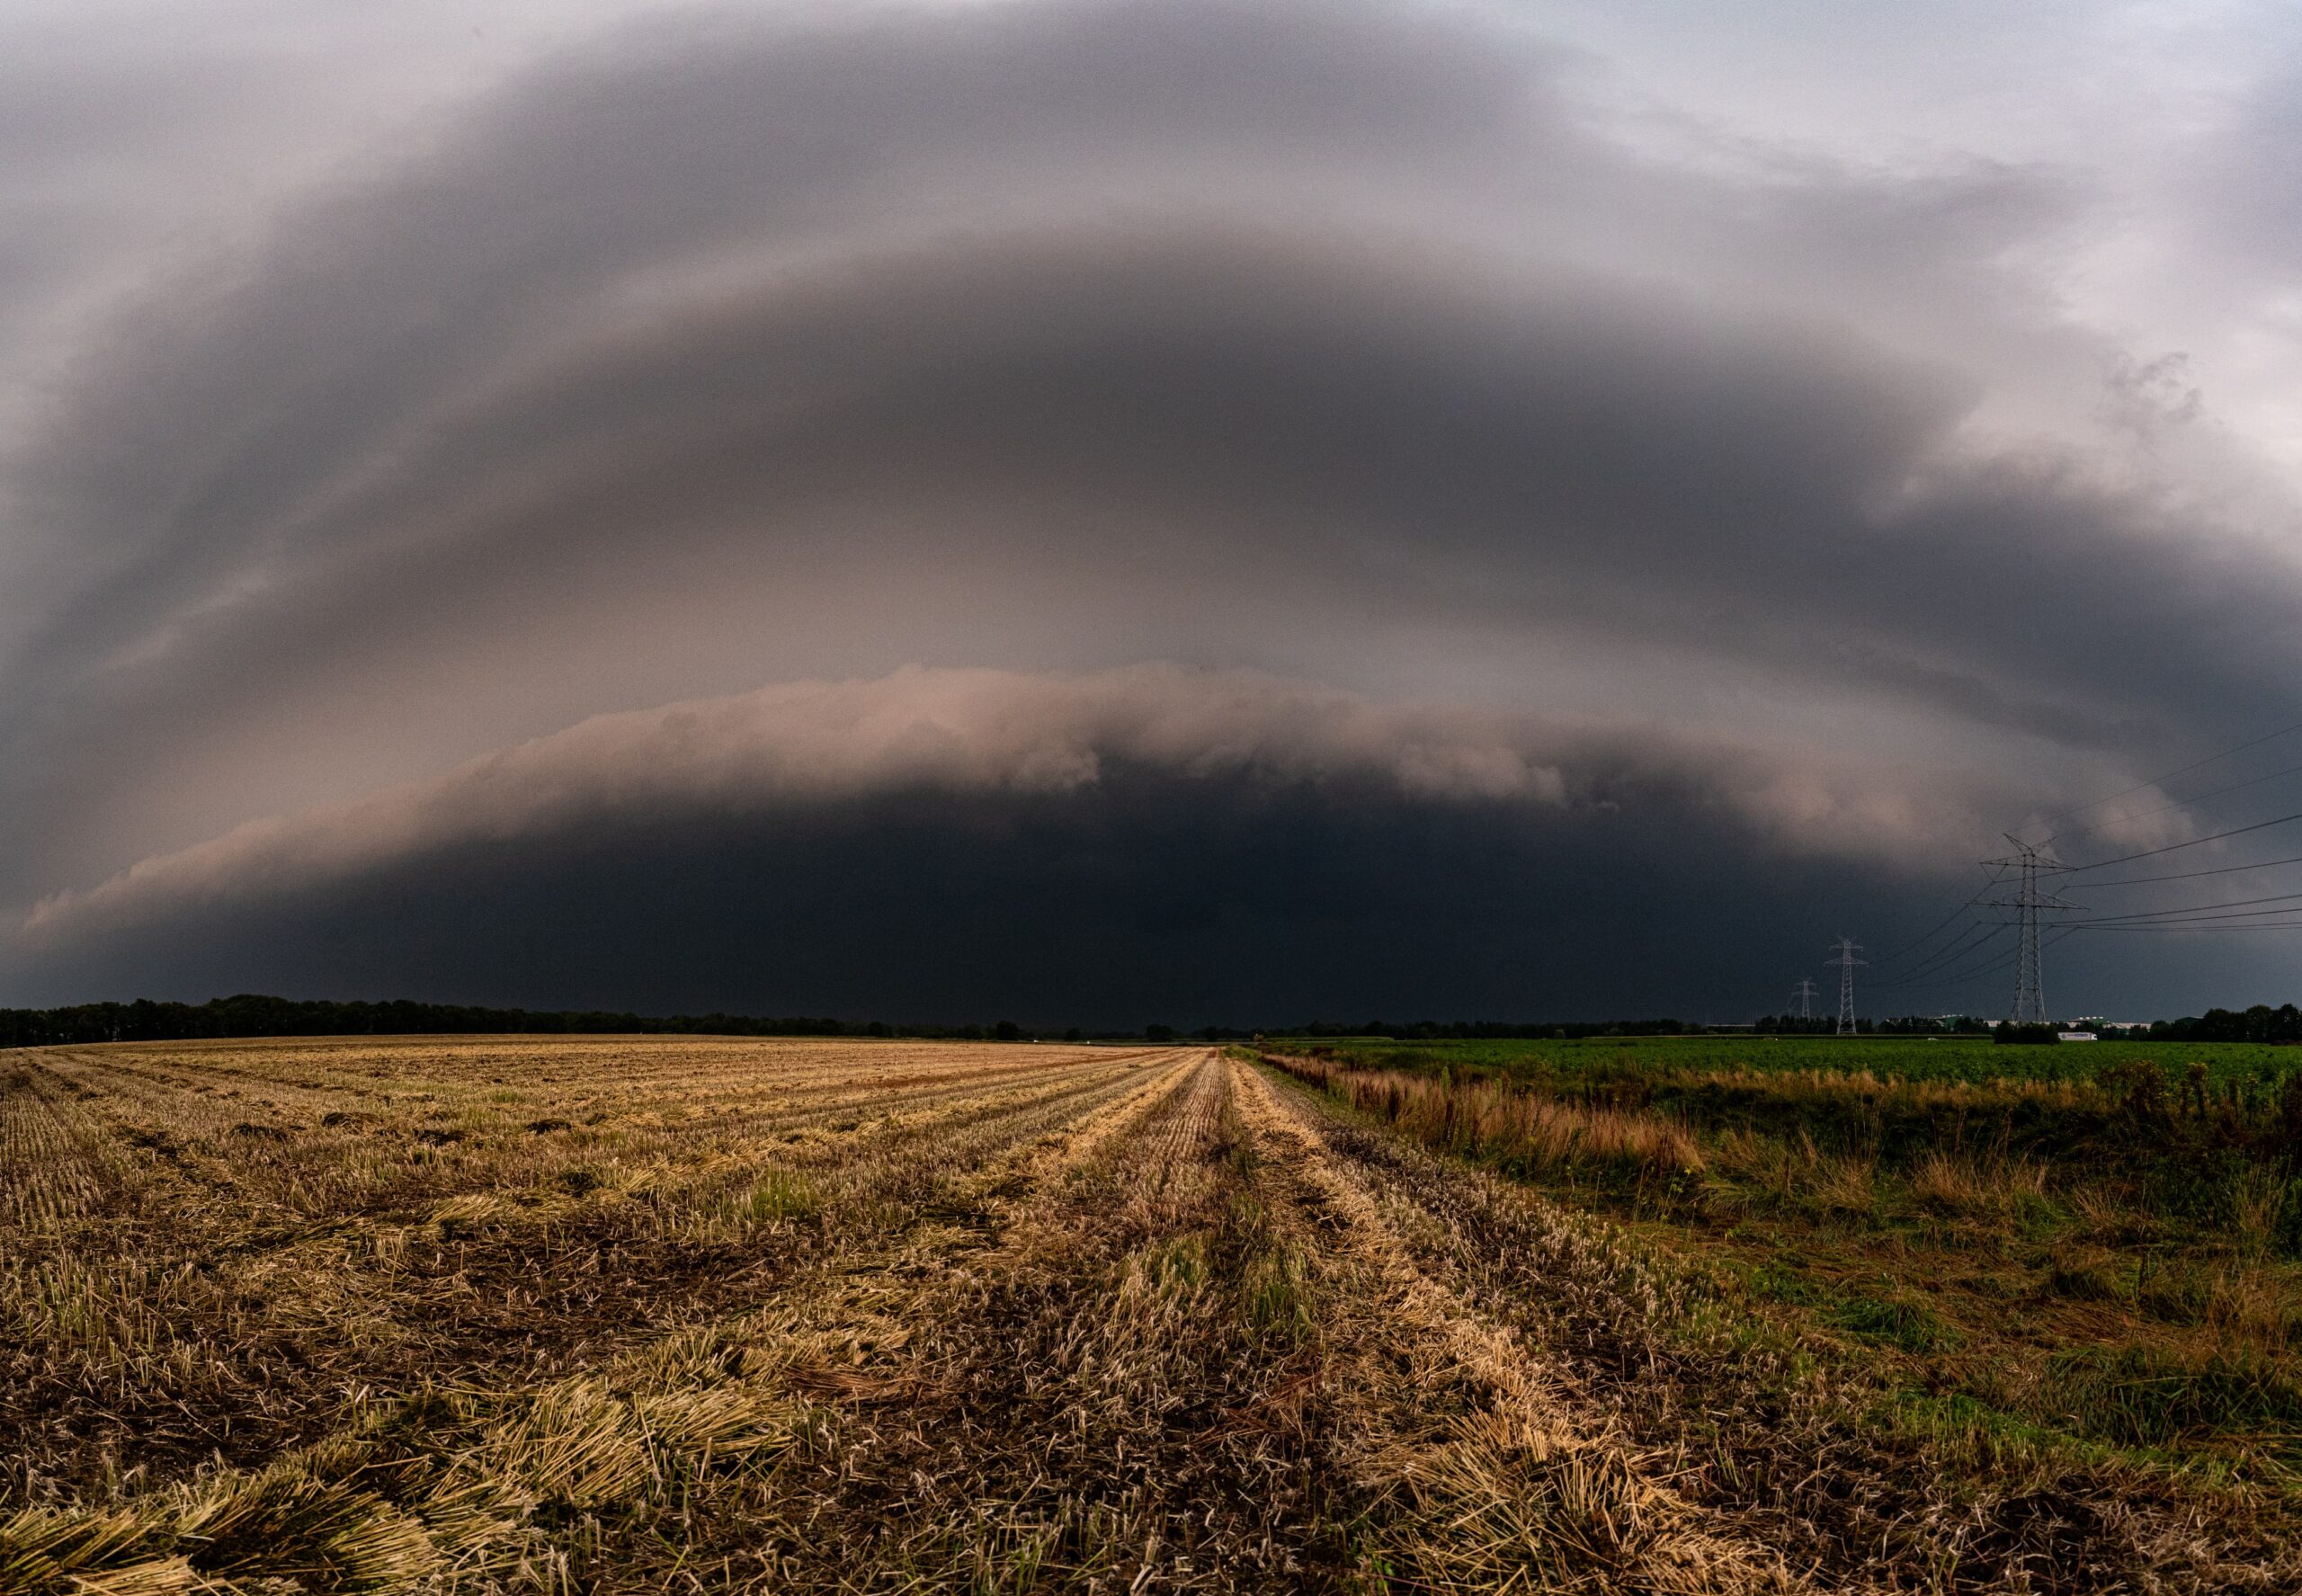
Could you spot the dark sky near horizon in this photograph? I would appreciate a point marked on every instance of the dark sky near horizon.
(1110, 512)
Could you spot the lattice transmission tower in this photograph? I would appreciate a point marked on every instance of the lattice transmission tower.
(1846, 961)
(1804, 995)
(2027, 864)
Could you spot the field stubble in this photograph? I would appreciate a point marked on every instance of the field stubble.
(639, 1314)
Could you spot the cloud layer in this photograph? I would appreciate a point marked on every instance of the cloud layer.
(820, 745)
(1555, 427)
(1143, 805)
(976, 733)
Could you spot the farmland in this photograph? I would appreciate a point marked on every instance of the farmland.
(2092, 1249)
(1570, 1062)
(619, 1314)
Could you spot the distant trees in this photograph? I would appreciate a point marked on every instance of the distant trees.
(1934, 1025)
(1426, 1030)
(251, 1014)
(1906, 1025)
(1802, 1024)
(2261, 1023)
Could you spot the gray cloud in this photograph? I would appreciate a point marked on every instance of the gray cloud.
(1064, 847)
(1374, 344)
(824, 746)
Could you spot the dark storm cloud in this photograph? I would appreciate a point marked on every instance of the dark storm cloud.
(1058, 337)
(1324, 286)
(806, 747)
(964, 842)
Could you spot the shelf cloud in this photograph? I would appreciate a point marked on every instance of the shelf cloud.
(1113, 780)
(979, 733)
(1463, 417)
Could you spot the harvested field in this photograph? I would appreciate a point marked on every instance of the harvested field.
(610, 1314)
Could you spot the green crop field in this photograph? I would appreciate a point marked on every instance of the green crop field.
(1577, 1060)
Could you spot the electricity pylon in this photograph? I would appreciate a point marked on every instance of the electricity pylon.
(1846, 961)
(2030, 978)
(1804, 993)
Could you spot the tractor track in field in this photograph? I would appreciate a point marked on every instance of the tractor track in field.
(1501, 1468)
(1198, 1360)
(1114, 1322)
(1767, 1455)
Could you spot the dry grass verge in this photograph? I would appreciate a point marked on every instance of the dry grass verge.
(1796, 1440)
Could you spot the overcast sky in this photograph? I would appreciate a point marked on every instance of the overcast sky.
(1196, 512)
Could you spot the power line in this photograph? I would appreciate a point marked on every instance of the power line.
(2169, 775)
(1996, 964)
(2193, 919)
(1967, 943)
(2235, 903)
(2227, 870)
(2189, 924)
(1957, 948)
(1886, 958)
(1846, 961)
(2030, 862)
(2030, 974)
(2176, 847)
(2077, 830)
(1993, 962)
(1805, 994)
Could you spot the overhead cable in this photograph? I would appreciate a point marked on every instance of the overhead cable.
(2194, 765)
(2239, 830)
(2077, 830)
(1995, 962)
(1946, 920)
(1957, 949)
(2225, 869)
(2235, 903)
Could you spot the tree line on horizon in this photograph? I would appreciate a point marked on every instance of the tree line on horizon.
(253, 1015)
